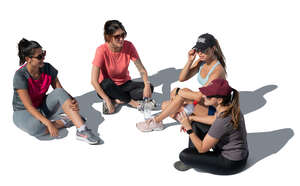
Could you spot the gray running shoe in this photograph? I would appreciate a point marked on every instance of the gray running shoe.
(179, 165)
(66, 120)
(87, 136)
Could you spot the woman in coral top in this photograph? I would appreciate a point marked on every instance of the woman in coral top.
(110, 75)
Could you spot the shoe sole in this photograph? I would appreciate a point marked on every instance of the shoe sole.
(150, 130)
(85, 140)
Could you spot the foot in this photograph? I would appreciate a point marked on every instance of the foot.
(149, 125)
(87, 136)
(66, 120)
(179, 165)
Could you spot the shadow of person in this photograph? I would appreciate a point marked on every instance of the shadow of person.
(253, 100)
(264, 144)
(163, 78)
(261, 145)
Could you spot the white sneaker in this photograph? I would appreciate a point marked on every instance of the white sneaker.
(150, 125)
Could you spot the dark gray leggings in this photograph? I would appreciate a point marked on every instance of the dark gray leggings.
(51, 104)
(211, 161)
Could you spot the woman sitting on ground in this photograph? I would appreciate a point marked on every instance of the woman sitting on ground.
(34, 111)
(110, 75)
(227, 136)
(209, 66)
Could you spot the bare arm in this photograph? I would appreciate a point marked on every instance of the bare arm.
(147, 90)
(201, 146)
(190, 68)
(94, 81)
(144, 75)
(191, 95)
(99, 90)
(209, 120)
(26, 100)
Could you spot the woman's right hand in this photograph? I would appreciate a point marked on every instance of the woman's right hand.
(191, 55)
(110, 106)
(52, 130)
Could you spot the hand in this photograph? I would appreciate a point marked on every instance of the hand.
(184, 120)
(52, 130)
(191, 55)
(182, 129)
(147, 91)
(74, 105)
(110, 106)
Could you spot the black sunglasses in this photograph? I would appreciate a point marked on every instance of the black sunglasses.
(41, 56)
(204, 51)
(119, 36)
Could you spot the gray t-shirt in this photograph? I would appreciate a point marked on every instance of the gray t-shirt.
(37, 88)
(232, 142)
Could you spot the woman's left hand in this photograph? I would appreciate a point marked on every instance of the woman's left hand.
(184, 120)
(147, 92)
(74, 105)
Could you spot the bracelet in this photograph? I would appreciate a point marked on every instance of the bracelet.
(177, 90)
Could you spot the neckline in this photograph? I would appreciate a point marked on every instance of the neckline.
(31, 75)
(208, 70)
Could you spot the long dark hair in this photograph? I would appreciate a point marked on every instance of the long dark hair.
(218, 52)
(234, 107)
(110, 27)
(26, 49)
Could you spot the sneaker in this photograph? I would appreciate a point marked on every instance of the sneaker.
(179, 165)
(87, 136)
(140, 107)
(66, 120)
(149, 125)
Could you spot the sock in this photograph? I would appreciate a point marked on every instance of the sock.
(82, 128)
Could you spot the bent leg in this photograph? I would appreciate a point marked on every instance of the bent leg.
(114, 91)
(29, 124)
(59, 97)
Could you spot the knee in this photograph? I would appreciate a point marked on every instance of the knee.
(59, 91)
(164, 105)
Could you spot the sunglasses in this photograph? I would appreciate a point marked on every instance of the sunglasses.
(204, 51)
(41, 56)
(119, 36)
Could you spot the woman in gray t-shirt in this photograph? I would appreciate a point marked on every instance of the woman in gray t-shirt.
(224, 149)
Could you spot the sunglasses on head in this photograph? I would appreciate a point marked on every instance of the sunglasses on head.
(41, 56)
(119, 36)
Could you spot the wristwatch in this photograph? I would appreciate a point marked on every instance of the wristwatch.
(189, 131)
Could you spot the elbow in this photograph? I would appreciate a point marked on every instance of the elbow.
(181, 79)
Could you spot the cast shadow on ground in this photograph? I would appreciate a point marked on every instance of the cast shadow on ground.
(261, 145)
(94, 117)
(250, 101)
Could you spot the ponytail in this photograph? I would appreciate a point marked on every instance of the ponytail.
(218, 52)
(26, 49)
(234, 107)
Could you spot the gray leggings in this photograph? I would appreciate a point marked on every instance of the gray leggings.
(51, 104)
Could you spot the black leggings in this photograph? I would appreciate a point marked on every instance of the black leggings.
(211, 161)
(126, 92)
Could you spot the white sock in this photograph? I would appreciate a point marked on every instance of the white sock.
(82, 128)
